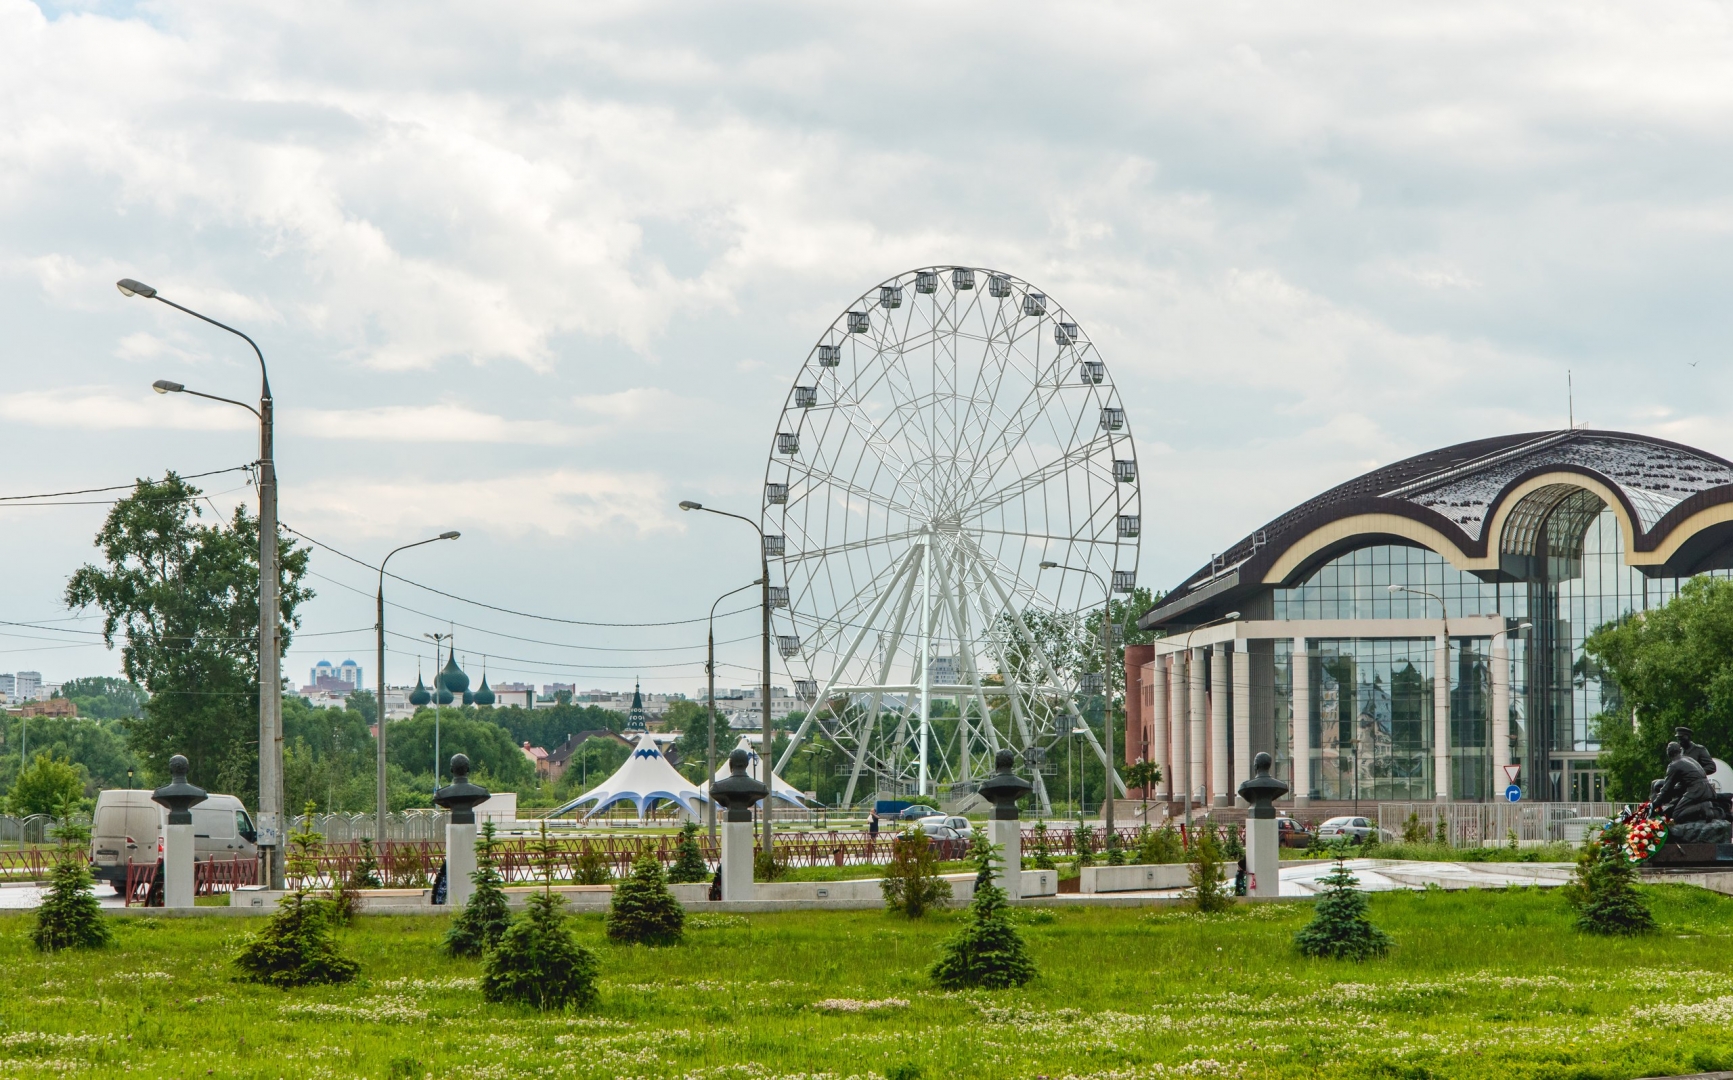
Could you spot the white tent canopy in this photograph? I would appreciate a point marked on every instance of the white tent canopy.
(645, 777)
(779, 788)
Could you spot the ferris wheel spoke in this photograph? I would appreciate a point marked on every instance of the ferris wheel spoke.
(824, 480)
(852, 545)
(1078, 455)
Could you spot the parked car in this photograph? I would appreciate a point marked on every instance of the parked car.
(1291, 833)
(946, 841)
(128, 827)
(961, 824)
(915, 812)
(1355, 830)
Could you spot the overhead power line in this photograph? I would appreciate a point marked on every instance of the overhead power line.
(117, 487)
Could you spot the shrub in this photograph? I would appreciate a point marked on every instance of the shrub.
(1208, 892)
(1412, 831)
(1441, 833)
(1510, 839)
(644, 912)
(366, 872)
(1604, 891)
(1043, 853)
(766, 866)
(1115, 853)
(485, 919)
(592, 869)
(987, 952)
(912, 883)
(1339, 928)
(70, 916)
(1084, 839)
(297, 946)
(539, 961)
(1161, 846)
(689, 865)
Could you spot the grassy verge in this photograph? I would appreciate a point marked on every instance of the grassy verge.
(1123, 993)
(1551, 852)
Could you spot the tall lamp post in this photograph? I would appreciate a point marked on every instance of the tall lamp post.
(1106, 685)
(764, 754)
(380, 807)
(710, 673)
(1186, 648)
(1501, 704)
(270, 642)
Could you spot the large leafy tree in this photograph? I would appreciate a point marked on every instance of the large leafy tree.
(103, 697)
(183, 598)
(1669, 667)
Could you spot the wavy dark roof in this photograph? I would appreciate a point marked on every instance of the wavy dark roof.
(1457, 490)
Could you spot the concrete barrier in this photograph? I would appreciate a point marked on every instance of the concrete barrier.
(1040, 883)
(1109, 879)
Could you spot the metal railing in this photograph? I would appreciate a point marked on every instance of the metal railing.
(1482, 824)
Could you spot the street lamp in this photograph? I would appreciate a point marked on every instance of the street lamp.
(710, 672)
(1106, 685)
(1501, 710)
(380, 807)
(1186, 648)
(764, 754)
(270, 651)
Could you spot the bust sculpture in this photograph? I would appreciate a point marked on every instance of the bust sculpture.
(1004, 787)
(739, 791)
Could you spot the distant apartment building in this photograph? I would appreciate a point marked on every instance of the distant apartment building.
(8, 689)
(27, 686)
(741, 706)
(339, 680)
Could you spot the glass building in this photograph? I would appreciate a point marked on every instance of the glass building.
(1417, 633)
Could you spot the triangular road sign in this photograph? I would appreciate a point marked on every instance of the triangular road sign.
(1511, 772)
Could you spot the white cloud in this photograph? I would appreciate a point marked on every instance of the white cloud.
(426, 423)
(106, 409)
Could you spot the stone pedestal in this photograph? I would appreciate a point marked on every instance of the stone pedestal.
(1008, 835)
(459, 861)
(737, 841)
(1263, 841)
(177, 866)
(1263, 857)
(177, 797)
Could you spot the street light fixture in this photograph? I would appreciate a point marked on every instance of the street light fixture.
(380, 806)
(1509, 729)
(1106, 693)
(710, 672)
(1186, 648)
(1440, 735)
(270, 632)
(764, 546)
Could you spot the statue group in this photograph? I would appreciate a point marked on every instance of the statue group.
(1700, 814)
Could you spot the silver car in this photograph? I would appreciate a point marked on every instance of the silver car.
(1355, 830)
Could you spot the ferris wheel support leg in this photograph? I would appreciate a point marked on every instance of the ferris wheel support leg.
(926, 718)
(957, 614)
(1053, 676)
(869, 725)
(1013, 697)
(823, 698)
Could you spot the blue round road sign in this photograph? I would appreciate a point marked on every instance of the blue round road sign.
(1513, 793)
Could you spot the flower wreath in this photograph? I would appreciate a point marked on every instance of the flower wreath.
(1644, 838)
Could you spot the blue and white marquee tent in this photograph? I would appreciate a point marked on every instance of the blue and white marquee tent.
(645, 777)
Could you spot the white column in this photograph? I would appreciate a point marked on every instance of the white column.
(1500, 754)
(1218, 724)
(1301, 724)
(1155, 677)
(1178, 718)
(1197, 734)
(177, 866)
(737, 860)
(1008, 835)
(1263, 856)
(1242, 721)
(1441, 718)
(459, 861)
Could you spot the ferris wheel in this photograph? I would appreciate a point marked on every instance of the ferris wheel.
(949, 433)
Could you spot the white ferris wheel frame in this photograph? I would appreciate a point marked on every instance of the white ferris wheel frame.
(894, 457)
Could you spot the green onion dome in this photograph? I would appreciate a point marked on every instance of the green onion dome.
(453, 678)
(443, 697)
(484, 696)
(419, 696)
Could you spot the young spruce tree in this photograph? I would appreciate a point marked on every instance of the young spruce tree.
(689, 865)
(1604, 892)
(485, 919)
(644, 912)
(1208, 891)
(297, 946)
(987, 952)
(1339, 928)
(70, 916)
(538, 960)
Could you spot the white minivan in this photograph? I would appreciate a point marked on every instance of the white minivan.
(128, 827)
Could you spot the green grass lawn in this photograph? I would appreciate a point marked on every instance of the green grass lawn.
(1481, 984)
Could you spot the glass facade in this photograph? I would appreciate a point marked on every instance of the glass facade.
(1371, 697)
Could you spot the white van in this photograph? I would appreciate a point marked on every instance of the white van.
(128, 827)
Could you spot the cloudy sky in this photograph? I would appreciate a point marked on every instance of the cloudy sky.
(539, 271)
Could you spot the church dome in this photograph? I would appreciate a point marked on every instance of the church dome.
(419, 696)
(453, 677)
(485, 695)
